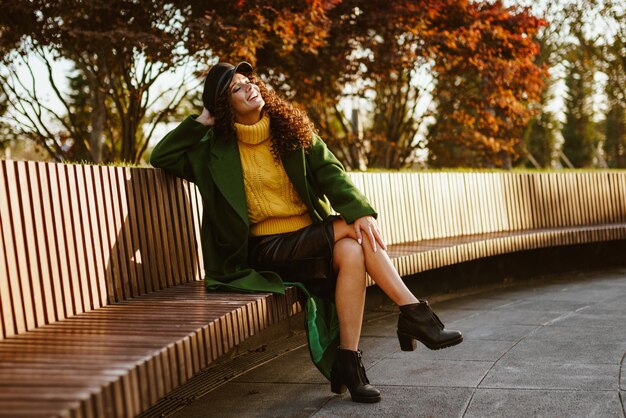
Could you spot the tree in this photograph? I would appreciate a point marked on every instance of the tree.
(487, 81)
(376, 47)
(580, 133)
(540, 135)
(120, 48)
(399, 61)
(607, 46)
(540, 140)
(313, 52)
(5, 130)
(615, 122)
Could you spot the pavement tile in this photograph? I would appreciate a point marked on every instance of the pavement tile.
(503, 317)
(376, 348)
(476, 302)
(587, 290)
(524, 291)
(466, 351)
(401, 402)
(380, 314)
(579, 334)
(451, 315)
(544, 305)
(495, 332)
(613, 307)
(543, 403)
(292, 367)
(582, 352)
(382, 327)
(258, 400)
(587, 318)
(418, 372)
(531, 375)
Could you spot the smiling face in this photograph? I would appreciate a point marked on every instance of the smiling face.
(245, 99)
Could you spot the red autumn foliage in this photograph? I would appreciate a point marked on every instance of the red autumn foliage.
(487, 78)
(482, 54)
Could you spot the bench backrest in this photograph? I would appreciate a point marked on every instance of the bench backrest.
(419, 206)
(77, 237)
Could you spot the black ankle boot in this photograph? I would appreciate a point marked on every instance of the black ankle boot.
(348, 371)
(418, 322)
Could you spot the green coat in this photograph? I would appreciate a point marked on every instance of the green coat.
(192, 151)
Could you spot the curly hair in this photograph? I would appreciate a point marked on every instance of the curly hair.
(290, 127)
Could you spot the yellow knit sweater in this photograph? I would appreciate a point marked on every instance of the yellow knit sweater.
(274, 206)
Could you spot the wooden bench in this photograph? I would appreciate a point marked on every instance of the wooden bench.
(432, 220)
(103, 308)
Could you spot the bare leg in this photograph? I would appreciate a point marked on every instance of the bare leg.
(416, 321)
(378, 265)
(349, 262)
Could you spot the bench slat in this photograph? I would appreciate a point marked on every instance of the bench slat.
(8, 316)
(94, 218)
(36, 251)
(73, 237)
(130, 233)
(126, 276)
(147, 239)
(83, 236)
(14, 245)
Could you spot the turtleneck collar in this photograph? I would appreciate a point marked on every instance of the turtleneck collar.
(254, 134)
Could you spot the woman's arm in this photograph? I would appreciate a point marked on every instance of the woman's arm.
(344, 196)
(171, 153)
(334, 182)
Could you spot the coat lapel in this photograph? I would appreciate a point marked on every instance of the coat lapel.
(295, 168)
(225, 167)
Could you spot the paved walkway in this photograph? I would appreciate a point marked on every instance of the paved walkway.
(553, 348)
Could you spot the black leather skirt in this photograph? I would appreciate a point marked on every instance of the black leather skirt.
(305, 255)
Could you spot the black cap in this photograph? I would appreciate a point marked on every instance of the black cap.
(218, 79)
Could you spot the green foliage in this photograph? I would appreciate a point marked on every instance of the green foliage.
(580, 133)
(540, 140)
(4, 129)
(395, 122)
(540, 135)
(615, 123)
(449, 143)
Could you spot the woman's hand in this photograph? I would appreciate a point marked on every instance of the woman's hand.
(205, 118)
(368, 225)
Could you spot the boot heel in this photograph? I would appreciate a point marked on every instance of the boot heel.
(407, 343)
(336, 386)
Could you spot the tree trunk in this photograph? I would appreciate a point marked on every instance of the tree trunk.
(98, 120)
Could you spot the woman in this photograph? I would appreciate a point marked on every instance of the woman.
(266, 180)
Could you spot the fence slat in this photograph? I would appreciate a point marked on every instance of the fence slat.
(92, 197)
(19, 273)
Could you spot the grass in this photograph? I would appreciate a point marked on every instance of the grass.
(491, 170)
(402, 170)
(107, 164)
